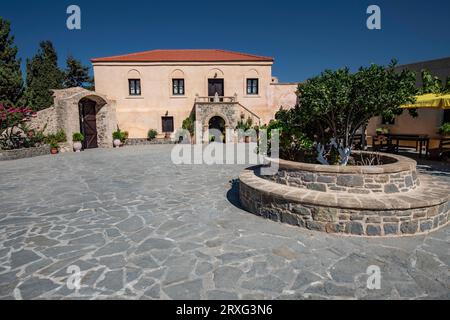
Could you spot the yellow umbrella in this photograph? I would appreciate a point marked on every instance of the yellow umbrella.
(430, 100)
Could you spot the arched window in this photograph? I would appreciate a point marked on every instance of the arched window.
(134, 83)
(178, 83)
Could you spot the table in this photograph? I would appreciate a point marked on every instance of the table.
(421, 141)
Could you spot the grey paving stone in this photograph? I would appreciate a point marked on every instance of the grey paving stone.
(131, 224)
(226, 277)
(267, 283)
(23, 257)
(155, 244)
(181, 228)
(35, 287)
(190, 290)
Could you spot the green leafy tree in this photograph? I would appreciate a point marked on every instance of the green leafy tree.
(338, 103)
(43, 75)
(11, 82)
(76, 75)
(430, 83)
(189, 124)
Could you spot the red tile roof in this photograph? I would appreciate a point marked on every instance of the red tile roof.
(204, 55)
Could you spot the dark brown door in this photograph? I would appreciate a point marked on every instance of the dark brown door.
(215, 85)
(167, 124)
(88, 124)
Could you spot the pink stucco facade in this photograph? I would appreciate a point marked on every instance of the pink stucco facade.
(138, 114)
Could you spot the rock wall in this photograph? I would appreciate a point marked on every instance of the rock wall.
(45, 119)
(24, 153)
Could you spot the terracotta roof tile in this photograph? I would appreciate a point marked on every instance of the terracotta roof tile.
(204, 55)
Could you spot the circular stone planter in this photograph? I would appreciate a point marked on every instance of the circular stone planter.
(385, 200)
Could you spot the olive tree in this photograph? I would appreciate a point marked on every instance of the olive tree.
(338, 103)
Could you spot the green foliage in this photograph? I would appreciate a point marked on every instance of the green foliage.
(151, 134)
(53, 143)
(244, 125)
(11, 82)
(77, 137)
(61, 136)
(43, 75)
(76, 75)
(189, 124)
(14, 131)
(337, 103)
(430, 83)
(120, 135)
(447, 85)
(294, 143)
(445, 129)
(58, 137)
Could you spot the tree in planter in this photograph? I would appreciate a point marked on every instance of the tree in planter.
(76, 75)
(294, 143)
(11, 82)
(338, 103)
(43, 75)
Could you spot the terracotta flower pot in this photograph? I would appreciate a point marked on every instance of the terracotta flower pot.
(77, 146)
(247, 139)
(53, 150)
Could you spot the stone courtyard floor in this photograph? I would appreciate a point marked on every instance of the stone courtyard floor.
(140, 227)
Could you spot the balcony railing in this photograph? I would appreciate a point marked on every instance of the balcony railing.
(215, 99)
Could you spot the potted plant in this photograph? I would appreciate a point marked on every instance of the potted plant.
(151, 134)
(118, 136)
(77, 139)
(53, 147)
(444, 130)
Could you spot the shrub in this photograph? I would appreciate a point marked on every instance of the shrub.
(445, 129)
(189, 125)
(151, 134)
(60, 136)
(77, 137)
(244, 125)
(13, 128)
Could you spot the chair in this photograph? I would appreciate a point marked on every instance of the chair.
(443, 151)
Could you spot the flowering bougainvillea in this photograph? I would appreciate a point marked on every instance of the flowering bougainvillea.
(14, 132)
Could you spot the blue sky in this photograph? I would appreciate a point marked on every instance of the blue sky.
(304, 37)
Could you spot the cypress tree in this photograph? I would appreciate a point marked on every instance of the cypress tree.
(43, 75)
(11, 82)
(76, 75)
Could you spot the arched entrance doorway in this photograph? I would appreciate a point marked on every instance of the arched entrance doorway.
(88, 109)
(216, 128)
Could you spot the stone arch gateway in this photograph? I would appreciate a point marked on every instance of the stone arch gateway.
(72, 107)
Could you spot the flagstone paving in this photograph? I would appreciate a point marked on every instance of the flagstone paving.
(140, 227)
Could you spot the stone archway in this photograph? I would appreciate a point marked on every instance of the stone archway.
(74, 106)
(91, 127)
(216, 129)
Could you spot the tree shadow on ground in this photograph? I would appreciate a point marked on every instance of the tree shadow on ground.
(233, 194)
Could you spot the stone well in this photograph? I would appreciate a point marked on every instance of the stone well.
(385, 200)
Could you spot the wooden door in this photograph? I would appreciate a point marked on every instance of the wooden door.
(88, 121)
(215, 85)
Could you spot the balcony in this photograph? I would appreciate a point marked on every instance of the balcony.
(216, 99)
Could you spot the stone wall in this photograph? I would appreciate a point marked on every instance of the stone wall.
(397, 175)
(45, 119)
(419, 210)
(64, 114)
(24, 153)
(352, 183)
